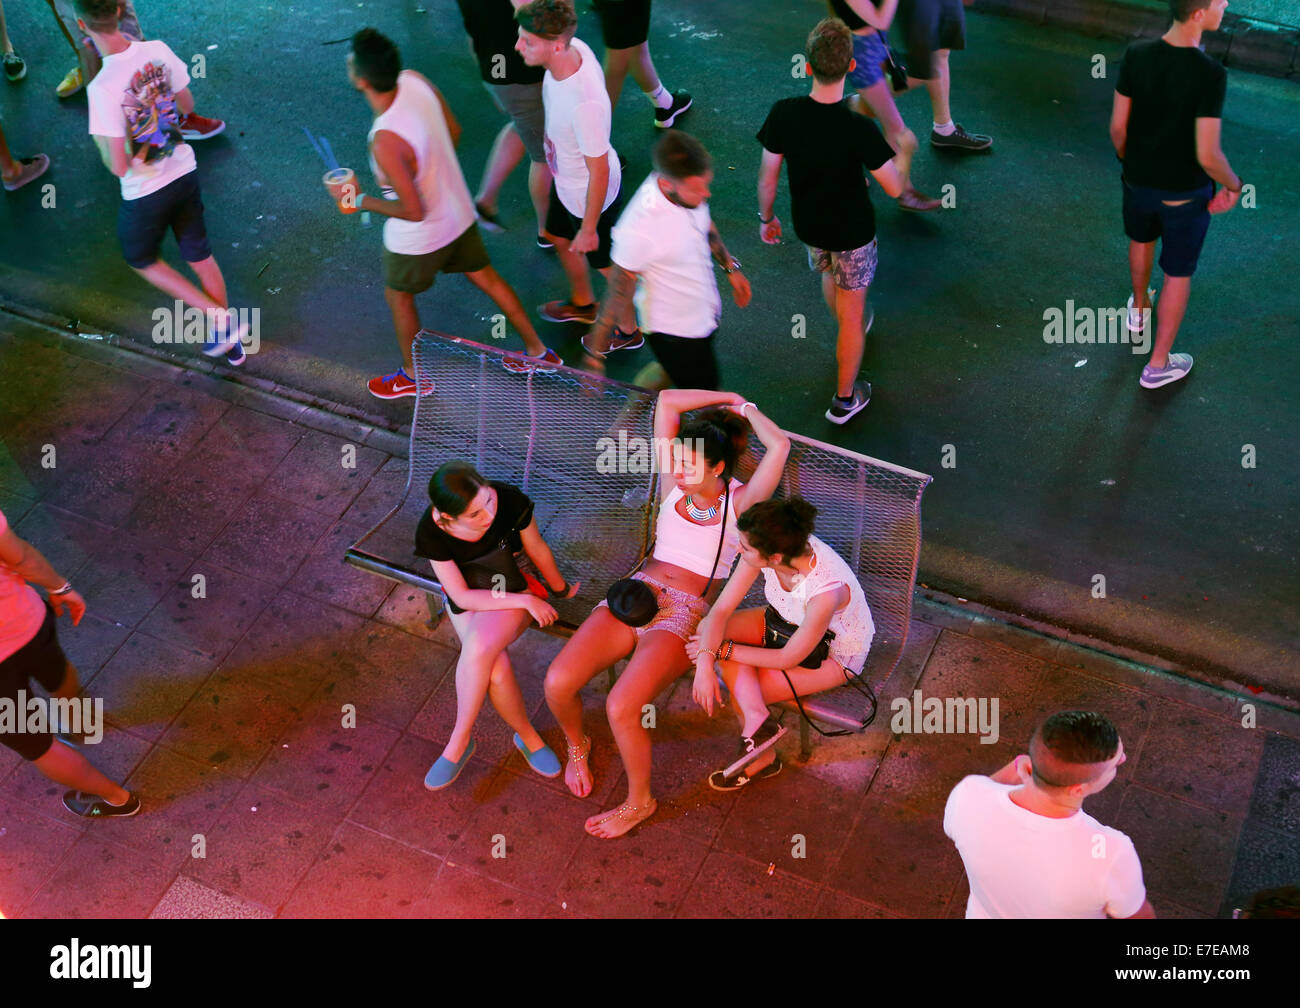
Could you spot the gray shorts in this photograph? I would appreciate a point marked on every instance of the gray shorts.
(523, 104)
(853, 269)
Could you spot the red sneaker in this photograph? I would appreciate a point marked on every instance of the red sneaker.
(396, 385)
(524, 363)
(197, 127)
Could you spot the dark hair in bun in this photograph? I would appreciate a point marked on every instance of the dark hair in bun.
(779, 526)
(724, 434)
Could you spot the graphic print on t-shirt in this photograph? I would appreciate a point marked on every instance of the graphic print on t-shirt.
(151, 114)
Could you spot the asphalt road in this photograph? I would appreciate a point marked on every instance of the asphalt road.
(1064, 468)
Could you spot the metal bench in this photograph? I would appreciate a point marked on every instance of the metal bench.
(553, 433)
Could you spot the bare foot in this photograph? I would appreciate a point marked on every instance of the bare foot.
(617, 821)
(577, 775)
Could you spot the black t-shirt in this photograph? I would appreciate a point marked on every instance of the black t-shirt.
(1170, 87)
(514, 512)
(826, 150)
(493, 31)
(845, 13)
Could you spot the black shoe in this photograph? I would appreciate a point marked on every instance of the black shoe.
(842, 412)
(89, 806)
(665, 117)
(489, 222)
(545, 244)
(721, 782)
(959, 139)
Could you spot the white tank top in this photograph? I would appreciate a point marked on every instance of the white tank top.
(416, 116)
(692, 547)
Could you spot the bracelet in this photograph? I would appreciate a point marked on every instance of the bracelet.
(561, 592)
(730, 646)
(767, 220)
(63, 590)
(711, 654)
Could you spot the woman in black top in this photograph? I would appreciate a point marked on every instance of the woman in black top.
(471, 536)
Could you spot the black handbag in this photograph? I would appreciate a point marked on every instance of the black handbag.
(777, 632)
(896, 70)
(634, 602)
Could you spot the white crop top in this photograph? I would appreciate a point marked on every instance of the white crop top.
(693, 547)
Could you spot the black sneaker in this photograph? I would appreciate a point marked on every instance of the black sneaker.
(719, 781)
(489, 222)
(545, 244)
(89, 806)
(665, 117)
(842, 412)
(959, 139)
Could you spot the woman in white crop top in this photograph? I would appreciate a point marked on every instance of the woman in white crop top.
(809, 585)
(699, 502)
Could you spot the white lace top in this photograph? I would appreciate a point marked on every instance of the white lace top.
(853, 625)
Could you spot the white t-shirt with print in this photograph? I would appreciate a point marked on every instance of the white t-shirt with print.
(134, 96)
(668, 247)
(577, 127)
(1024, 865)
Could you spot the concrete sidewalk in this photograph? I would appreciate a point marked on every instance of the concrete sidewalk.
(225, 711)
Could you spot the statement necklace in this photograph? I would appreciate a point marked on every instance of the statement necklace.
(697, 514)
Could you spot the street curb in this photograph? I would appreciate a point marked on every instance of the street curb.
(1242, 43)
(315, 413)
(240, 388)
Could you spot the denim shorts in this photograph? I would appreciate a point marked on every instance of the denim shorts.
(852, 269)
(143, 223)
(1181, 229)
(870, 52)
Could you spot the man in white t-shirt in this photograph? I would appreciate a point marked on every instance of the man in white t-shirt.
(585, 194)
(137, 102)
(1029, 849)
(431, 225)
(665, 245)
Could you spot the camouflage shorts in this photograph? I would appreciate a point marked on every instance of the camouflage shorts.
(853, 269)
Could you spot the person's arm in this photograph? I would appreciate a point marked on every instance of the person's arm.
(26, 561)
(767, 477)
(1209, 152)
(702, 648)
(817, 617)
(485, 599)
(618, 295)
(544, 560)
(586, 239)
(889, 179)
(880, 17)
(769, 173)
(112, 151)
(669, 407)
(740, 289)
(1119, 115)
(185, 101)
(396, 160)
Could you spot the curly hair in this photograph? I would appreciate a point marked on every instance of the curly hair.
(779, 527)
(548, 19)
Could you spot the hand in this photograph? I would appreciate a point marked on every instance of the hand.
(740, 289)
(1223, 201)
(75, 604)
(585, 241)
(706, 690)
(541, 611)
(771, 231)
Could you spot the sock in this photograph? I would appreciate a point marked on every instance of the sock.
(945, 129)
(661, 98)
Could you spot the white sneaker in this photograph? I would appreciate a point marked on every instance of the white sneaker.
(1137, 318)
(222, 343)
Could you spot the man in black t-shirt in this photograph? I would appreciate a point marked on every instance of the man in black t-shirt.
(1165, 126)
(517, 90)
(827, 147)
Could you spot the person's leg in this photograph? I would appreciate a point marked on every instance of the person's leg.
(6, 46)
(659, 658)
(850, 342)
(1141, 258)
(484, 637)
(214, 284)
(940, 87)
(8, 166)
(539, 191)
(507, 152)
(1174, 293)
(627, 321)
(597, 644)
(745, 627)
(406, 323)
(617, 63)
(581, 292)
(880, 100)
(508, 699)
(491, 283)
(64, 765)
(170, 281)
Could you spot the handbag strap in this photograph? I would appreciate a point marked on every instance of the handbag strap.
(857, 683)
(722, 535)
